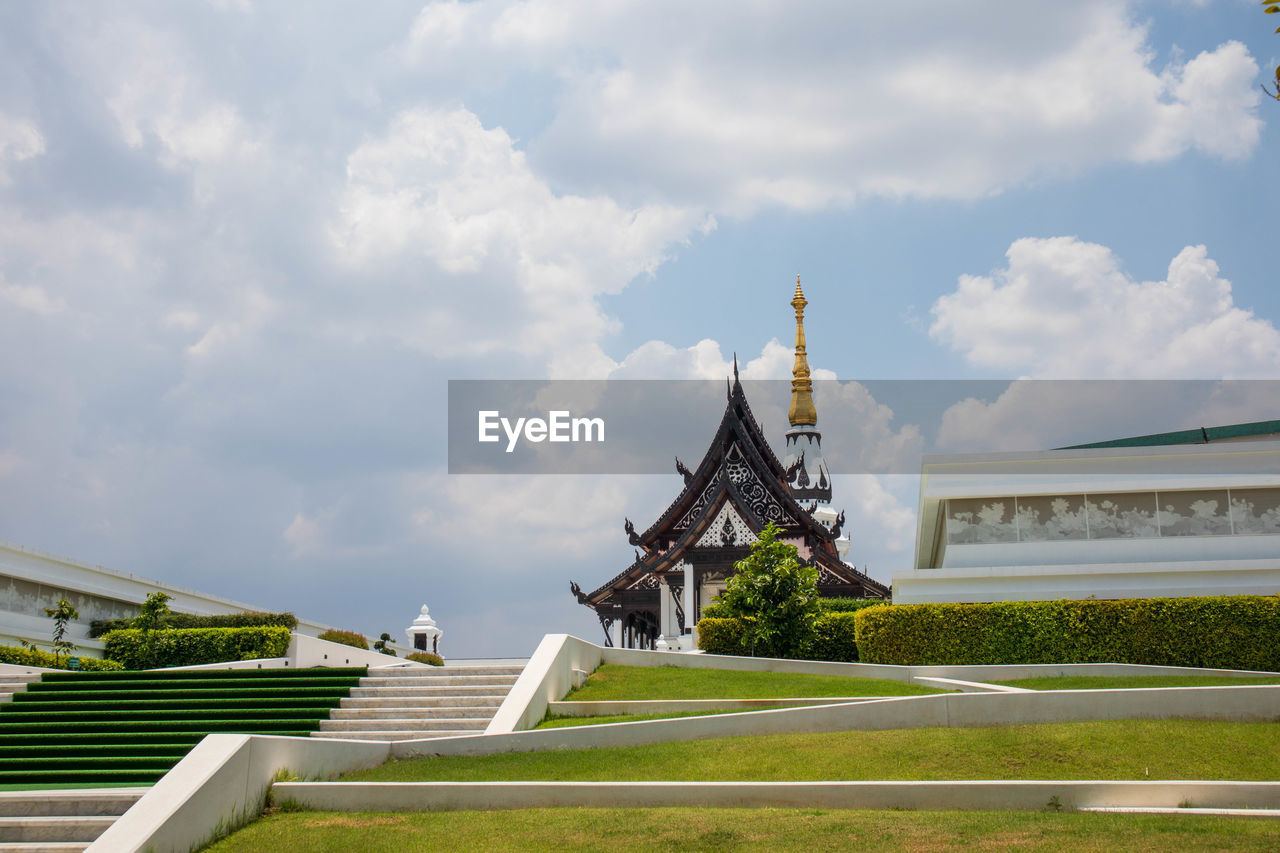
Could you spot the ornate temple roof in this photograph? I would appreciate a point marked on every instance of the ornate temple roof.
(740, 470)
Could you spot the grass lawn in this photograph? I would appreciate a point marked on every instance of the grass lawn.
(745, 829)
(1103, 682)
(611, 682)
(553, 722)
(1115, 749)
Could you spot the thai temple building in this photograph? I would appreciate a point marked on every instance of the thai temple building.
(740, 486)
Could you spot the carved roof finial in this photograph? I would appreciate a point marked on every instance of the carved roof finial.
(802, 410)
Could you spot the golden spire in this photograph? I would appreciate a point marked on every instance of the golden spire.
(802, 410)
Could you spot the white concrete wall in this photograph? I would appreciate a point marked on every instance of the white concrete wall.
(1023, 795)
(76, 576)
(222, 784)
(1115, 580)
(1251, 703)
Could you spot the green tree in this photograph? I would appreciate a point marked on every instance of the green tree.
(61, 615)
(152, 616)
(384, 644)
(154, 612)
(776, 594)
(1272, 8)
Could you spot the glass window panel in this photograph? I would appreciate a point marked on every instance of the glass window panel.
(980, 520)
(1046, 518)
(1194, 513)
(1122, 516)
(1256, 510)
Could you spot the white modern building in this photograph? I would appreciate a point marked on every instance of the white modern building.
(31, 581)
(1195, 512)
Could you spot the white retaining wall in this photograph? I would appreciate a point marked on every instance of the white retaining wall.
(421, 796)
(221, 784)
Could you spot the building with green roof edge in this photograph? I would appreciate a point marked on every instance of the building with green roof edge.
(1188, 512)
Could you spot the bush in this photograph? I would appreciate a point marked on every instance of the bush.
(721, 636)
(98, 627)
(347, 638)
(425, 657)
(36, 657)
(775, 593)
(847, 605)
(1234, 632)
(833, 639)
(138, 649)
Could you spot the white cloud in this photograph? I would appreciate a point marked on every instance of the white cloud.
(519, 266)
(31, 297)
(20, 140)
(1064, 308)
(805, 107)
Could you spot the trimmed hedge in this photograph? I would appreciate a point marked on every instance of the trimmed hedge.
(36, 657)
(98, 627)
(722, 636)
(138, 649)
(834, 640)
(425, 657)
(1234, 632)
(347, 638)
(715, 610)
(848, 605)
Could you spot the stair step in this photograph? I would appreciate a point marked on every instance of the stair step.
(425, 701)
(59, 828)
(87, 802)
(411, 713)
(474, 690)
(440, 671)
(445, 724)
(43, 846)
(440, 681)
(402, 734)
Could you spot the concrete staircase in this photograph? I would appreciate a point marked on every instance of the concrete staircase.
(60, 821)
(407, 704)
(15, 682)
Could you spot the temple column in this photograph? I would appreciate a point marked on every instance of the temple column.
(667, 635)
(690, 639)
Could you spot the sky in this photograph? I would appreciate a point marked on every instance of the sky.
(244, 247)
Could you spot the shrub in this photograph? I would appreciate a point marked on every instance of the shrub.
(98, 627)
(833, 639)
(777, 591)
(715, 610)
(138, 649)
(36, 657)
(1235, 632)
(347, 638)
(847, 605)
(425, 657)
(723, 636)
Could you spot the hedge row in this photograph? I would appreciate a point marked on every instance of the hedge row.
(834, 640)
(1234, 632)
(346, 638)
(138, 649)
(36, 657)
(715, 610)
(426, 657)
(98, 627)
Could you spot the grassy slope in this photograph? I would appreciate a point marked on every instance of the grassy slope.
(611, 682)
(1103, 682)
(745, 829)
(553, 722)
(1122, 749)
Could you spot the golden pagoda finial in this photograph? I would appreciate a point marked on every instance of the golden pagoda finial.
(802, 411)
